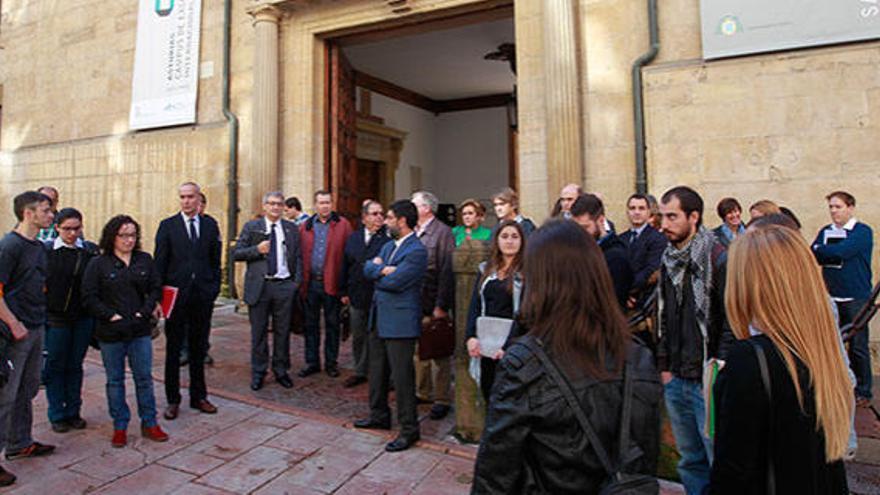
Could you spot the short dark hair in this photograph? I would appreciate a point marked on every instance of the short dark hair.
(726, 206)
(406, 209)
(689, 200)
(321, 192)
(108, 234)
(293, 202)
(844, 196)
(790, 214)
(589, 204)
(28, 200)
(643, 197)
(67, 214)
(365, 207)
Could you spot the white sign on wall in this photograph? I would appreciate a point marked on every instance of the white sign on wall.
(738, 27)
(165, 82)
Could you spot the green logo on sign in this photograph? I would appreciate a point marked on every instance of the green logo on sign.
(164, 7)
(729, 25)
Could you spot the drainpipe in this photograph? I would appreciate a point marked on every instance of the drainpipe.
(638, 98)
(232, 180)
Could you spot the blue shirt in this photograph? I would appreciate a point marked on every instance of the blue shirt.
(319, 248)
(846, 263)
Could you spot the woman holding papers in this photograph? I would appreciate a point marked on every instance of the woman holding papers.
(121, 289)
(495, 301)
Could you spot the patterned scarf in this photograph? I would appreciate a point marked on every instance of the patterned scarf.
(694, 259)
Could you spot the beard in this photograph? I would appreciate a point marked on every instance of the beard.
(394, 233)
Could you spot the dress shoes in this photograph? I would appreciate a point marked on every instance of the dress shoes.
(256, 383)
(401, 443)
(438, 411)
(284, 380)
(172, 412)
(203, 406)
(354, 381)
(332, 371)
(77, 423)
(308, 370)
(372, 424)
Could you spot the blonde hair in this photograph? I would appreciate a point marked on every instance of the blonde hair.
(774, 283)
(765, 207)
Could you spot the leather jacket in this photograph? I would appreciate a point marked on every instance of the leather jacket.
(533, 443)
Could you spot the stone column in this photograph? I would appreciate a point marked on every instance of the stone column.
(562, 97)
(469, 403)
(264, 133)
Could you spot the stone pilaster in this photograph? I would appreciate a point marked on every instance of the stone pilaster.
(264, 135)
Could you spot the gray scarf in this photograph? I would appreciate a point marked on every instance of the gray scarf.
(694, 259)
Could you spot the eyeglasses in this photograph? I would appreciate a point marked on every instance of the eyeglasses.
(275, 203)
(127, 236)
(375, 213)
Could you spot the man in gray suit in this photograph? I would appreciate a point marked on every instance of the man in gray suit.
(270, 246)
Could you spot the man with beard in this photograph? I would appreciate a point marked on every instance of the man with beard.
(690, 326)
(363, 245)
(589, 212)
(395, 324)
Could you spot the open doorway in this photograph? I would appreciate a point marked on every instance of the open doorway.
(429, 107)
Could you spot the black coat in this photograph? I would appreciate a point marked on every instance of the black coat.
(109, 288)
(618, 266)
(644, 253)
(66, 268)
(743, 432)
(194, 268)
(533, 443)
(354, 284)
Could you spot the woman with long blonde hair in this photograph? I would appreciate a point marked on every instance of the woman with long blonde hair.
(792, 437)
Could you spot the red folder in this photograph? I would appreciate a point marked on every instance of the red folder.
(169, 297)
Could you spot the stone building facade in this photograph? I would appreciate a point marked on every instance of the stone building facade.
(788, 126)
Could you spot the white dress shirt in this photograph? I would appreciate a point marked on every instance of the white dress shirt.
(280, 249)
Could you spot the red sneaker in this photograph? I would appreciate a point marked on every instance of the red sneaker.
(120, 438)
(154, 433)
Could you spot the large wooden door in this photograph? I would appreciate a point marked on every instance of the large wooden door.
(343, 165)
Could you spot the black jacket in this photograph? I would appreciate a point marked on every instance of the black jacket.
(66, 268)
(680, 345)
(644, 253)
(743, 432)
(358, 287)
(618, 266)
(109, 287)
(533, 443)
(193, 268)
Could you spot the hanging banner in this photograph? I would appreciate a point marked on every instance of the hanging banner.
(165, 82)
(739, 27)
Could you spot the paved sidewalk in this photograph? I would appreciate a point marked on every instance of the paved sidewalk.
(243, 449)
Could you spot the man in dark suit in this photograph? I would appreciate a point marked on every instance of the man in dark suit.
(589, 212)
(187, 256)
(645, 246)
(363, 245)
(438, 296)
(395, 325)
(270, 246)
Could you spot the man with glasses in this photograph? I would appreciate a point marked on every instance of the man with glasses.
(363, 245)
(187, 257)
(270, 246)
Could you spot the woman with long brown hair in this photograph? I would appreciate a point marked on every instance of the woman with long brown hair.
(784, 398)
(575, 358)
(496, 297)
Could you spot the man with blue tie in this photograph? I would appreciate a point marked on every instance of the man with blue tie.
(188, 258)
(270, 246)
(645, 246)
(395, 325)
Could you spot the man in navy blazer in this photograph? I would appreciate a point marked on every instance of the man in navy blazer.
(645, 246)
(187, 257)
(395, 324)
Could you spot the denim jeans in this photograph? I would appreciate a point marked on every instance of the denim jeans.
(859, 353)
(66, 347)
(687, 414)
(316, 298)
(140, 359)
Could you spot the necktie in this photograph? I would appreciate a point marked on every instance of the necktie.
(193, 234)
(273, 253)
